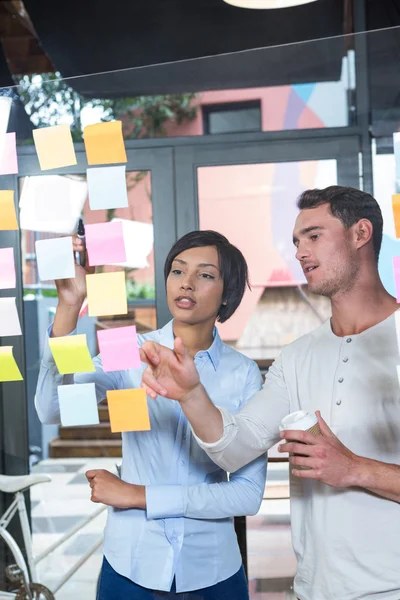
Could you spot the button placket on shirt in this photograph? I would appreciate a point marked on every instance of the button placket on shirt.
(344, 360)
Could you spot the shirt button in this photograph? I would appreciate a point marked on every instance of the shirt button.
(345, 359)
(338, 402)
(184, 436)
(348, 340)
(340, 380)
(182, 463)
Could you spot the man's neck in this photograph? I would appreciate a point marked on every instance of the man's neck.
(361, 308)
(195, 337)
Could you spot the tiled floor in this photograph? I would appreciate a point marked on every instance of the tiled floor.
(59, 505)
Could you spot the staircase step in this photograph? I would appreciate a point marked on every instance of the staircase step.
(103, 413)
(89, 432)
(85, 448)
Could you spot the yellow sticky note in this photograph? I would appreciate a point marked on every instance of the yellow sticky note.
(71, 354)
(54, 147)
(396, 213)
(128, 410)
(106, 294)
(9, 370)
(8, 218)
(104, 143)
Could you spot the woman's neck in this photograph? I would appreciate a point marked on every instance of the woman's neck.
(195, 337)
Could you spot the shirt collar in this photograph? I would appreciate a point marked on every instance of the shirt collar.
(213, 352)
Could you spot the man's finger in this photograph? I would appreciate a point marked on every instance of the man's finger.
(150, 352)
(299, 436)
(91, 474)
(305, 473)
(296, 448)
(323, 426)
(180, 349)
(151, 382)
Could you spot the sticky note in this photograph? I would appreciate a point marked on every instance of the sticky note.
(7, 268)
(118, 348)
(107, 187)
(396, 270)
(54, 147)
(104, 143)
(78, 405)
(139, 240)
(55, 258)
(71, 354)
(128, 410)
(105, 243)
(52, 198)
(9, 320)
(106, 294)
(9, 370)
(396, 213)
(8, 154)
(8, 218)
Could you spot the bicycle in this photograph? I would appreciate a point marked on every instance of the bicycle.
(22, 575)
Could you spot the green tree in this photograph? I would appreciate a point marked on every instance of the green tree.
(49, 99)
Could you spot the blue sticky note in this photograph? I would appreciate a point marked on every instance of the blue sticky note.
(390, 248)
(78, 405)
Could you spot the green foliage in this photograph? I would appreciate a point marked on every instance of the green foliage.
(49, 100)
(135, 290)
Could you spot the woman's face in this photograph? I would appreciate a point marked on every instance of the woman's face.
(195, 286)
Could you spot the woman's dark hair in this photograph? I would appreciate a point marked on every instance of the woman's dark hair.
(349, 205)
(232, 266)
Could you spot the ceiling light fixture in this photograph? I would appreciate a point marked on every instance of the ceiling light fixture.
(267, 3)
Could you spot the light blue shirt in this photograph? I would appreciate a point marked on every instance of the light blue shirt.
(187, 529)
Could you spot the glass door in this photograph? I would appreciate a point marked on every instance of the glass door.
(248, 193)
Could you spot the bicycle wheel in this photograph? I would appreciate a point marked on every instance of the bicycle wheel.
(38, 592)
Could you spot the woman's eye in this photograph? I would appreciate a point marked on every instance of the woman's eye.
(176, 271)
(207, 276)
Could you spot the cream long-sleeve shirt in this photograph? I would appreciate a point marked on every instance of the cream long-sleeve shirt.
(347, 541)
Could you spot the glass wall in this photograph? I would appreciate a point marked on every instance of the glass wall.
(194, 159)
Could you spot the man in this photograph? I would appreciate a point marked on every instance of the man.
(345, 508)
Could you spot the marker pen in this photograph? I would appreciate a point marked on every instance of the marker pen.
(80, 257)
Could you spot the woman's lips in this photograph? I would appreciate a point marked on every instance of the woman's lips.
(185, 302)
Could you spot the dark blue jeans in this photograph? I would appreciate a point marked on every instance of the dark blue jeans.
(113, 586)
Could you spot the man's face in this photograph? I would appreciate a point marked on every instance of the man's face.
(325, 251)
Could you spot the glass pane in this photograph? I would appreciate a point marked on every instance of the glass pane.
(262, 198)
(66, 453)
(226, 121)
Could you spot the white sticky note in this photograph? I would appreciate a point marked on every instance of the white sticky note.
(55, 258)
(138, 241)
(52, 203)
(78, 405)
(107, 187)
(9, 320)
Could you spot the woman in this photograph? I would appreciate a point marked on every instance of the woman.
(170, 531)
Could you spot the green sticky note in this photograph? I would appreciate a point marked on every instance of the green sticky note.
(9, 370)
(71, 354)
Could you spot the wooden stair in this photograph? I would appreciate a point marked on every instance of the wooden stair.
(88, 441)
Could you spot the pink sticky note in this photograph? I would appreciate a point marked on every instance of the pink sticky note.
(396, 269)
(7, 268)
(118, 348)
(8, 154)
(105, 243)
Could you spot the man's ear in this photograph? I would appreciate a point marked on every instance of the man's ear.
(363, 232)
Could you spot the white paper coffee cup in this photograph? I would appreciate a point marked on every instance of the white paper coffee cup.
(300, 421)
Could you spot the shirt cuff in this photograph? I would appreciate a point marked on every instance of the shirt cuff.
(163, 501)
(229, 430)
(47, 358)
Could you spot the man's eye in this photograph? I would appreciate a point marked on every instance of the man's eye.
(314, 237)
